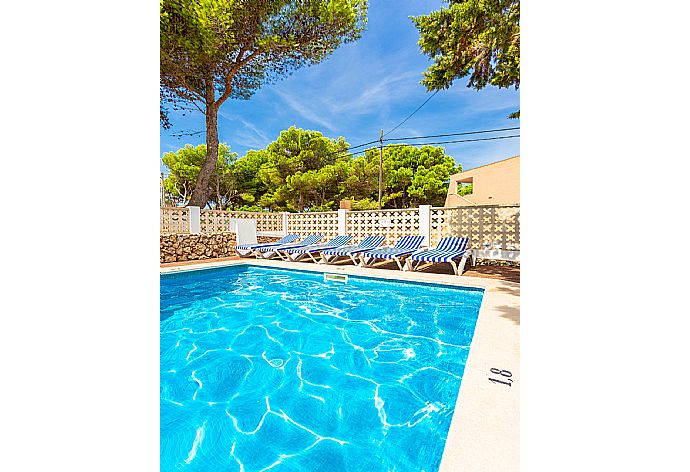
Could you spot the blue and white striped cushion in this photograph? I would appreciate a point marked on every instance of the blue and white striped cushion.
(409, 242)
(314, 238)
(284, 240)
(367, 243)
(404, 245)
(448, 248)
(332, 244)
(387, 253)
(454, 243)
(246, 246)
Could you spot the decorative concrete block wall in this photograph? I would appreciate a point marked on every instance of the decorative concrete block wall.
(487, 227)
(323, 222)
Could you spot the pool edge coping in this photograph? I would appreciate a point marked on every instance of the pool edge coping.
(484, 429)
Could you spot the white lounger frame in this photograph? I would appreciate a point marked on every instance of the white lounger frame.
(458, 267)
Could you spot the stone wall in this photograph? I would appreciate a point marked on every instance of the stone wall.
(190, 247)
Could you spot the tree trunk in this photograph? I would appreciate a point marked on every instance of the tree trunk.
(202, 191)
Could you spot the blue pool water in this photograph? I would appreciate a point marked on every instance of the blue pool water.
(266, 369)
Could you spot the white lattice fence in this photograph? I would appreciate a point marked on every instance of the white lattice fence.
(495, 227)
(264, 221)
(492, 226)
(174, 220)
(325, 223)
(215, 221)
(391, 223)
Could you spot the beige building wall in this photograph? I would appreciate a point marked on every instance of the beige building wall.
(497, 183)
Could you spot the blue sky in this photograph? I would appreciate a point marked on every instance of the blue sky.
(362, 87)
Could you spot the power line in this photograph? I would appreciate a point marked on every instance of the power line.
(363, 153)
(457, 141)
(410, 115)
(432, 136)
(454, 134)
(350, 148)
(424, 137)
(358, 146)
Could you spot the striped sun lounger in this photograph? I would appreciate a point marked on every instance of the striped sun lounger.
(329, 256)
(248, 249)
(448, 250)
(402, 248)
(268, 252)
(299, 253)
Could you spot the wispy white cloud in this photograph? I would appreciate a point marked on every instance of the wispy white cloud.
(248, 135)
(378, 93)
(305, 111)
(260, 134)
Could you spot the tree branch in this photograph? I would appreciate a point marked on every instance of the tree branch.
(193, 94)
(228, 78)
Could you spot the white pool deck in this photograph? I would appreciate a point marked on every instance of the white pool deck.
(485, 430)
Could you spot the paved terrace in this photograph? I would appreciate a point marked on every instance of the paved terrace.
(482, 270)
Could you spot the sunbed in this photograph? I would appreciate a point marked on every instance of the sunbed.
(449, 250)
(330, 256)
(249, 249)
(402, 248)
(268, 252)
(299, 253)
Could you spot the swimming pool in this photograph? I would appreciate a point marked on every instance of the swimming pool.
(275, 369)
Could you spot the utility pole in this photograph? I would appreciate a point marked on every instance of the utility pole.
(380, 167)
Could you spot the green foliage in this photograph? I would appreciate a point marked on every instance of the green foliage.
(466, 190)
(214, 50)
(365, 204)
(304, 171)
(233, 46)
(249, 208)
(245, 172)
(479, 38)
(185, 165)
(415, 176)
